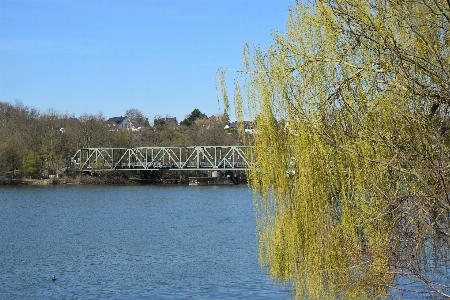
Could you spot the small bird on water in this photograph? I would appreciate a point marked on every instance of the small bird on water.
(54, 278)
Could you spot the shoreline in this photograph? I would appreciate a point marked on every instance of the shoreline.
(120, 179)
(76, 180)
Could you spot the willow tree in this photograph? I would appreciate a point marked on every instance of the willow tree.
(351, 148)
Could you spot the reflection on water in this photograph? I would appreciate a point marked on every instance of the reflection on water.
(130, 242)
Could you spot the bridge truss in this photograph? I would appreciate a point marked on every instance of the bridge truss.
(207, 158)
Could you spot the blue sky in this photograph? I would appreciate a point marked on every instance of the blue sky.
(108, 56)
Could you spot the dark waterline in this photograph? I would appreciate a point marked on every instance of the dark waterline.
(131, 242)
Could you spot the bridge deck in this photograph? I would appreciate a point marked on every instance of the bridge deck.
(157, 158)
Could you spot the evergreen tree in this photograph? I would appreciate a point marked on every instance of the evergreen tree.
(192, 117)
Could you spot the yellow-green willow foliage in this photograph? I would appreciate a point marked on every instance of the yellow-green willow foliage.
(351, 151)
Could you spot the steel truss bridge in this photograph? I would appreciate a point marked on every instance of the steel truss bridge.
(205, 158)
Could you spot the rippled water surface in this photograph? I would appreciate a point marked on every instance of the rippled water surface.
(131, 242)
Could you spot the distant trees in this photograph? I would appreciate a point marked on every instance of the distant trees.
(34, 143)
(209, 132)
(18, 135)
(13, 153)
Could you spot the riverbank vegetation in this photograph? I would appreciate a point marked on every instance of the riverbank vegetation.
(351, 104)
(39, 145)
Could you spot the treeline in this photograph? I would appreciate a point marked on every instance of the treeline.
(35, 144)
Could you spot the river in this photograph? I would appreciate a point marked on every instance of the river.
(131, 242)
(138, 242)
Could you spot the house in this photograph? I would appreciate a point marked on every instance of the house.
(248, 126)
(119, 123)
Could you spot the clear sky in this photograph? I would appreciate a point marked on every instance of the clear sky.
(159, 56)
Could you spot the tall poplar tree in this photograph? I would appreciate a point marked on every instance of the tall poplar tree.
(351, 148)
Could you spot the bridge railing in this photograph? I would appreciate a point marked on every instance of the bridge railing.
(157, 158)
